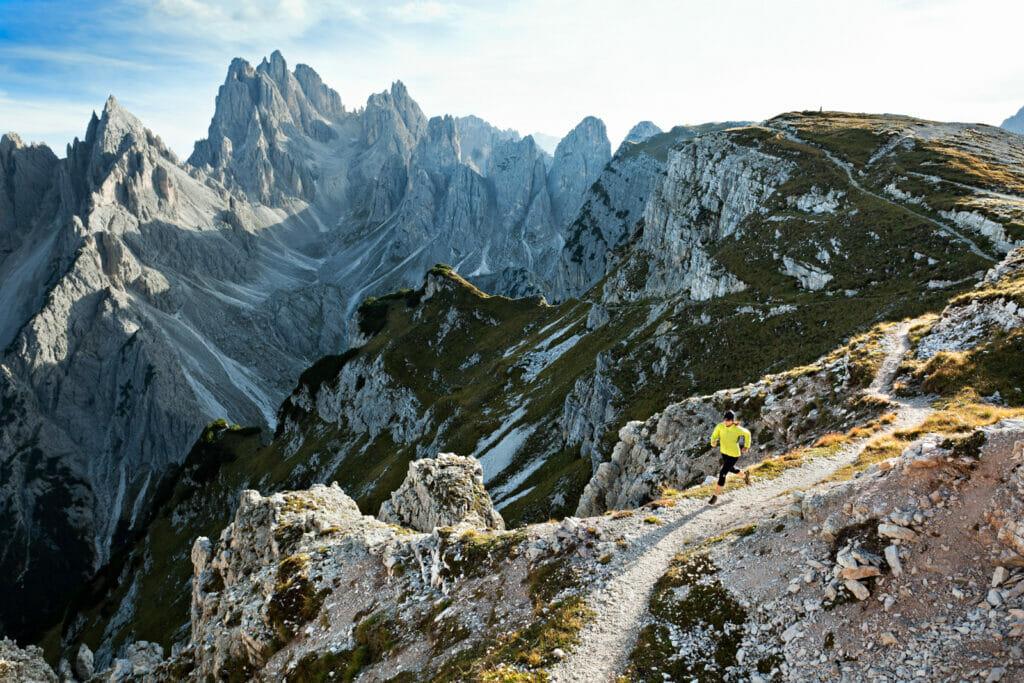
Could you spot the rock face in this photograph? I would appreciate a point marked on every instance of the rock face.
(261, 113)
(1015, 124)
(712, 185)
(579, 159)
(445, 491)
(26, 665)
(612, 212)
(143, 297)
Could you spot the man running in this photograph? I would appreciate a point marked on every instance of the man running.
(728, 433)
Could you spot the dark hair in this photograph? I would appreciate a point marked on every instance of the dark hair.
(729, 415)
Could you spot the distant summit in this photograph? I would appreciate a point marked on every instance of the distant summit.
(642, 131)
(1015, 123)
(546, 142)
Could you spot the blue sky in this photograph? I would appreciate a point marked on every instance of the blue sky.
(532, 65)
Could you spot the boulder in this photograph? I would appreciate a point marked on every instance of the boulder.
(444, 491)
(83, 666)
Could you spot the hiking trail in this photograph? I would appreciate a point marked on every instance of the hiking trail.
(621, 604)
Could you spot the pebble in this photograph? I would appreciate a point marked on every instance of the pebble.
(896, 531)
(999, 576)
(892, 557)
(858, 589)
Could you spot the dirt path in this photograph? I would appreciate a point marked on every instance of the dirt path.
(621, 604)
(846, 167)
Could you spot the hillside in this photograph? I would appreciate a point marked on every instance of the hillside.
(889, 549)
(761, 250)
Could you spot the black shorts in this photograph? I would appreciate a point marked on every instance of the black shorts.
(728, 465)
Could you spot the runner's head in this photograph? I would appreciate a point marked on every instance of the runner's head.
(729, 417)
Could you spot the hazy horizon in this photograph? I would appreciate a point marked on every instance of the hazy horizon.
(531, 66)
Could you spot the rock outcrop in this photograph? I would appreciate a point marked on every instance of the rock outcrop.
(24, 665)
(446, 491)
(972, 319)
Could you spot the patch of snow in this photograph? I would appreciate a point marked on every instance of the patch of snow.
(505, 503)
(535, 362)
(517, 480)
(496, 451)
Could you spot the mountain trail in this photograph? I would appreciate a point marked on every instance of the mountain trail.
(847, 168)
(621, 604)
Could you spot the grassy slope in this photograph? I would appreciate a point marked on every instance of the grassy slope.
(733, 348)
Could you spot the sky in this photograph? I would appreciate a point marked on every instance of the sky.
(532, 65)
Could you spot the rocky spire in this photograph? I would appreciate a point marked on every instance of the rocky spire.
(259, 113)
(579, 158)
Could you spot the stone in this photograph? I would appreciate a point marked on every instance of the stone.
(444, 491)
(892, 558)
(994, 597)
(859, 590)
(859, 572)
(83, 665)
(887, 639)
(995, 674)
(999, 576)
(896, 531)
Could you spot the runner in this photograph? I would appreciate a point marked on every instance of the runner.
(729, 434)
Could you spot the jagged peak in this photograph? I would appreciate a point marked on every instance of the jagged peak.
(275, 66)
(11, 140)
(642, 131)
(589, 127)
(399, 90)
(239, 69)
(444, 277)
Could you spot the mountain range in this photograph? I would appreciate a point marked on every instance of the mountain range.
(145, 296)
(363, 288)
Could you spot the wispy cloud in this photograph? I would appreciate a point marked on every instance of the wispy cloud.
(55, 55)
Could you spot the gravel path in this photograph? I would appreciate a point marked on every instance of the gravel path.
(621, 604)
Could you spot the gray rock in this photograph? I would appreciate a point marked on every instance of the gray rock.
(441, 492)
(83, 666)
(579, 159)
(24, 665)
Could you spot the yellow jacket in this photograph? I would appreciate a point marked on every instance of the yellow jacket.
(729, 437)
